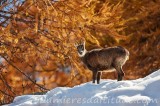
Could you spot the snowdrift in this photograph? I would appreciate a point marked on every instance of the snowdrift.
(140, 92)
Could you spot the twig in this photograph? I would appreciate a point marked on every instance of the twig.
(6, 94)
(8, 12)
(7, 85)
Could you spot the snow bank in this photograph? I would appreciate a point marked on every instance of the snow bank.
(140, 92)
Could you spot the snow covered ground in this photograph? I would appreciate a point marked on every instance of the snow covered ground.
(140, 92)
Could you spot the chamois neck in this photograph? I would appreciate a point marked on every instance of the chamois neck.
(83, 54)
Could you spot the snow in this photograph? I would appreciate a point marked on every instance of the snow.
(140, 92)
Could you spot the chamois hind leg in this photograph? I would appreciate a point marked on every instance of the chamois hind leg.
(98, 77)
(120, 72)
(94, 76)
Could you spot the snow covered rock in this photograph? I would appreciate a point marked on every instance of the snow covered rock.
(140, 92)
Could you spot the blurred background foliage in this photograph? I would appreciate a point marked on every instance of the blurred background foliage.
(37, 41)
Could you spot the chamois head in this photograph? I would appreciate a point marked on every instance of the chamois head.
(80, 48)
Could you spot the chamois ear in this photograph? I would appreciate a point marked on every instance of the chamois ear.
(84, 43)
(76, 44)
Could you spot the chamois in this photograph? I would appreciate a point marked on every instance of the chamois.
(98, 60)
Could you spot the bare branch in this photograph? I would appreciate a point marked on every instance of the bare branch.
(7, 85)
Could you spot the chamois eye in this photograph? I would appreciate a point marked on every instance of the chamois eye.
(82, 47)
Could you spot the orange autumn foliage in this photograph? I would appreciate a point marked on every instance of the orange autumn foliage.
(37, 41)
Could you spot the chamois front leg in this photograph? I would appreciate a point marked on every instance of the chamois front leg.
(98, 77)
(94, 76)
